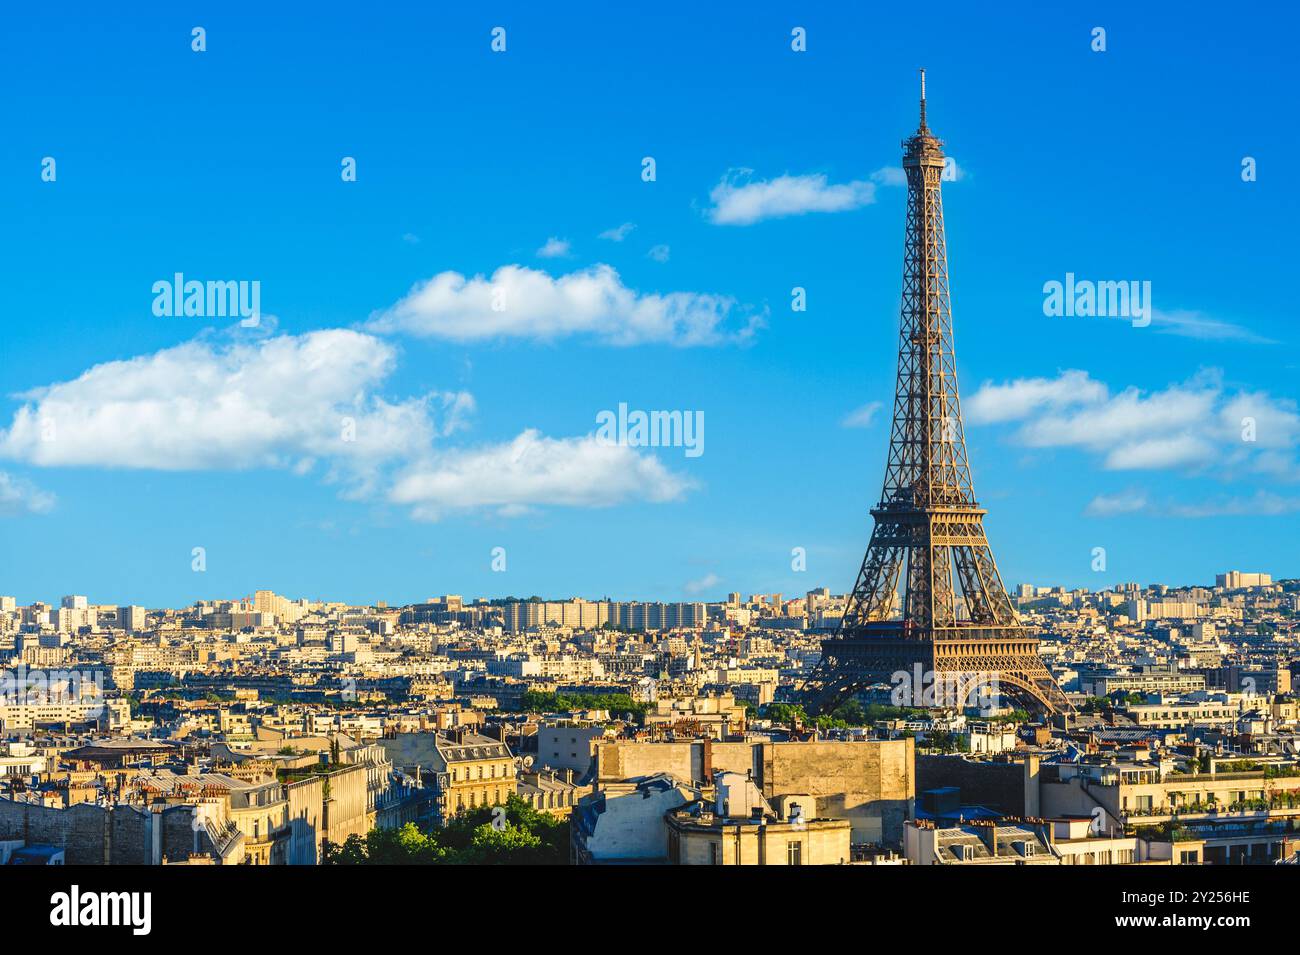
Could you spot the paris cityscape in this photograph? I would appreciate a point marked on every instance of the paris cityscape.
(359, 511)
(269, 731)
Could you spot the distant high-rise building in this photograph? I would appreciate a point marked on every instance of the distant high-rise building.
(590, 614)
(1140, 610)
(576, 613)
(74, 602)
(131, 618)
(342, 642)
(283, 609)
(1236, 580)
(68, 619)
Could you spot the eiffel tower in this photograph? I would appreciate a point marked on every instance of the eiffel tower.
(957, 626)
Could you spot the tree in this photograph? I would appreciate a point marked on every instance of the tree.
(404, 846)
(513, 834)
(469, 833)
(784, 713)
(942, 740)
(354, 851)
(851, 713)
(533, 701)
(512, 845)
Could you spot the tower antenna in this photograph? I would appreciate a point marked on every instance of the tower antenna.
(923, 97)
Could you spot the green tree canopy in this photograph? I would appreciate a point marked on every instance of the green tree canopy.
(513, 834)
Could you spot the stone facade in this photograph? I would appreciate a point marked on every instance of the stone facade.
(93, 835)
(871, 783)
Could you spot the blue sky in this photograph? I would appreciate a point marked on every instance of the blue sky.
(473, 429)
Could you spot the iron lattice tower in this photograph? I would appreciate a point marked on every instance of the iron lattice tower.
(955, 619)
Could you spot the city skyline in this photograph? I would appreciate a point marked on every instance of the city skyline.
(721, 597)
(192, 431)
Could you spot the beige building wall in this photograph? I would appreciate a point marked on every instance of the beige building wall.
(814, 843)
(346, 804)
(1149, 803)
(480, 782)
(871, 783)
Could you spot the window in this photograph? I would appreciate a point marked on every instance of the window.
(715, 854)
(794, 853)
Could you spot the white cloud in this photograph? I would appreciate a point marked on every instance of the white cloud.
(1189, 323)
(18, 496)
(1016, 399)
(294, 402)
(554, 248)
(268, 403)
(659, 253)
(618, 233)
(410, 238)
(1191, 425)
(531, 304)
(890, 176)
(457, 407)
(1192, 324)
(737, 201)
(1109, 505)
(1160, 453)
(534, 470)
(1259, 504)
(861, 417)
(707, 582)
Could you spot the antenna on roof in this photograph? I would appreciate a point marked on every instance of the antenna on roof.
(923, 97)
